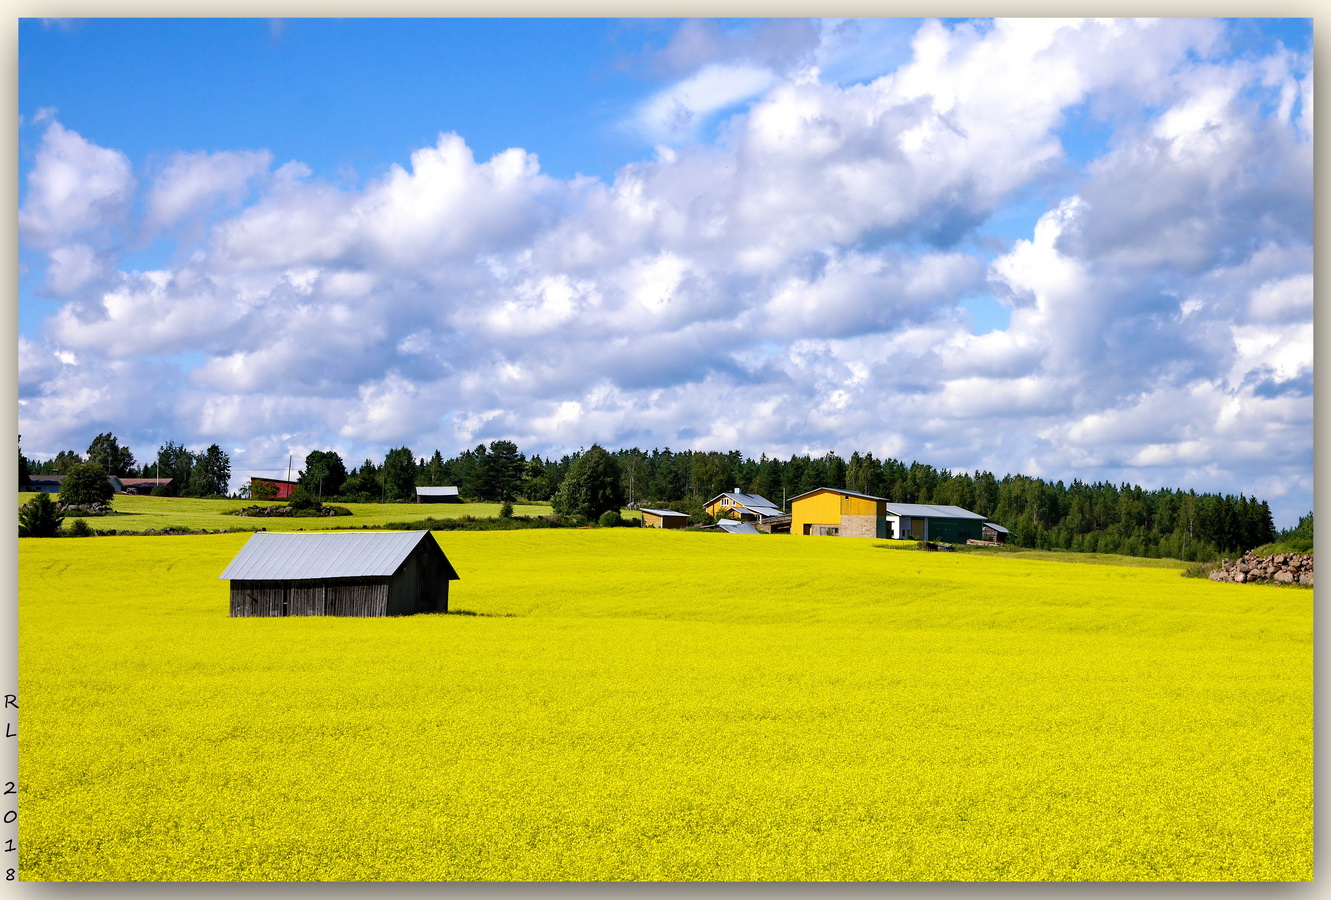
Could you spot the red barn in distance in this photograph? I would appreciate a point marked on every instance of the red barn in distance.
(283, 488)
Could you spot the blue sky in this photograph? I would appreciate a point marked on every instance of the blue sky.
(1074, 249)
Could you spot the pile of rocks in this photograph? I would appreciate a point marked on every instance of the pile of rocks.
(288, 511)
(1282, 568)
(71, 510)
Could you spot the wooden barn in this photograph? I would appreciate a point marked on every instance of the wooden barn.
(833, 511)
(384, 573)
(144, 485)
(281, 489)
(664, 518)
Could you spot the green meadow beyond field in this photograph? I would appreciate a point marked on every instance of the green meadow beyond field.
(631, 704)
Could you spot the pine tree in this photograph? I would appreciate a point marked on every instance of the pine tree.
(39, 517)
(500, 472)
(211, 475)
(399, 474)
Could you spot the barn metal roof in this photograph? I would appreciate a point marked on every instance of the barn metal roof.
(730, 526)
(999, 528)
(301, 555)
(743, 499)
(930, 511)
(662, 512)
(841, 491)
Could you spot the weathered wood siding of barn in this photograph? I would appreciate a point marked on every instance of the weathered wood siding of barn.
(420, 585)
(330, 597)
(258, 598)
(655, 520)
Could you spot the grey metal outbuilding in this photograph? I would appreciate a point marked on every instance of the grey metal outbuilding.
(437, 495)
(933, 522)
(392, 573)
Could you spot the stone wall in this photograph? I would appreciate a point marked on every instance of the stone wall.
(1283, 568)
(859, 526)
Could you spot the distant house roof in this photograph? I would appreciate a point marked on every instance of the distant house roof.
(144, 482)
(842, 491)
(663, 512)
(296, 555)
(754, 503)
(57, 480)
(741, 497)
(998, 528)
(730, 526)
(930, 511)
(436, 491)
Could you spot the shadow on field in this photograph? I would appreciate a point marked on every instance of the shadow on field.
(469, 612)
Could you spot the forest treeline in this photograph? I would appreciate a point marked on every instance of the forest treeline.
(1086, 517)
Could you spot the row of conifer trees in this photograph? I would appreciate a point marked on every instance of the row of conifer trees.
(1089, 517)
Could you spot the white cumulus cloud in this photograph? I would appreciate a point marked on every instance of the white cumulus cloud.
(792, 285)
(74, 187)
(192, 183)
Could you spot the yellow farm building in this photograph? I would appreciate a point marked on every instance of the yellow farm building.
(833, 511)
(830, 511)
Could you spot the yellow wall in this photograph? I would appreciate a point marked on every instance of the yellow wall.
(861, 506)
(723, 507)
(827, 507)
(822, 508)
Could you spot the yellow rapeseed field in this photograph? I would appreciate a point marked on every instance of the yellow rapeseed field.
(630, 704)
